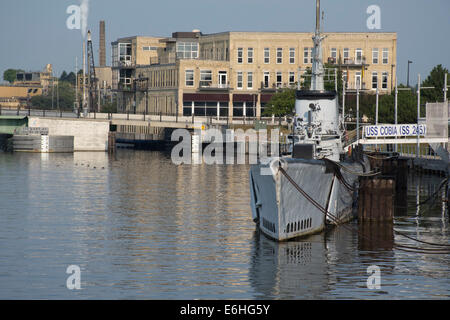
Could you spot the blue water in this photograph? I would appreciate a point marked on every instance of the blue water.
(140, 227)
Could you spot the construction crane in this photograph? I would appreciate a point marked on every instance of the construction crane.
(93, 92)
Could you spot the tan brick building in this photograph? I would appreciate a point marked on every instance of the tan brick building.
(236, 73)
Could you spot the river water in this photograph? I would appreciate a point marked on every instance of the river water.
(140, 227)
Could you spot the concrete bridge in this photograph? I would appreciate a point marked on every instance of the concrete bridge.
(91, 132)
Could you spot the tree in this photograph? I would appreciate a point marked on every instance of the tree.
(63, 76)
(435, 79)
(66, 95)
(109, 107)
(71, 78)
(282, 103)
(10, 75)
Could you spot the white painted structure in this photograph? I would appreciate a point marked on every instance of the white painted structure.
(89, 135)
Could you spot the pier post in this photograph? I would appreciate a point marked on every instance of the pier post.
(376, 199)
(111, 142)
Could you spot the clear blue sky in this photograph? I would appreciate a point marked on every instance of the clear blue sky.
(34, 32)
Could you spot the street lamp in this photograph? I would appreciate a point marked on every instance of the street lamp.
(407, 83)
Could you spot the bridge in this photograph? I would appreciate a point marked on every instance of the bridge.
(91, 131)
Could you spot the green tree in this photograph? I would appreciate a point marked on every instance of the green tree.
(328, 78)
(435, 79)
(109, 107)
(282, 103)
(71, 78)
(10, 75)
(64, 91)
(63, 76)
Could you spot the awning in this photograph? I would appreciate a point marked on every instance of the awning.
(206, 97)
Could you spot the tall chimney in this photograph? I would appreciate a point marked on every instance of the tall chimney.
(102, 47)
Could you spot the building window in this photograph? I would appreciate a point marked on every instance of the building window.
(358, 56)
(291, 78)
(187, 108)
(125, 54)
(279, 79)
(305, 55)
(205, 78)
(358, 80)
(125, 77)
(238, 109)
(375, 55)
(385, 55)
(266, 55)
(187, 50)
(189, 74)
(148, 48)
(239, 80)
(240, 55)
(311, 55)
(250, 109)
(249, 80)
(291, 55)
(223, 79)
(279, 55)
(384, 80)
(250, 55)
(333, 55)
(346, 55)
(374, 80)
(266, 79)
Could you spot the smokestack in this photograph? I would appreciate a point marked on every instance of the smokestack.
(102, 47)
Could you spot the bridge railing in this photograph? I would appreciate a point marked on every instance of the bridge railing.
(153, 116)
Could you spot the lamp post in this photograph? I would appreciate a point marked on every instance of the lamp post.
(407, 81)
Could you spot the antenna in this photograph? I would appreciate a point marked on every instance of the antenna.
(323, 15)
(317, 67)
(317, 17)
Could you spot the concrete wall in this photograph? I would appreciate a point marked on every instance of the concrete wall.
(89, 135)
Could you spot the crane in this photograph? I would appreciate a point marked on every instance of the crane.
(93, 92)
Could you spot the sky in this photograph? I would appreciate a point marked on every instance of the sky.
(34, 32)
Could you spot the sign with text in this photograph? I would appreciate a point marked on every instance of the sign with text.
(392, 130)
(32, 131)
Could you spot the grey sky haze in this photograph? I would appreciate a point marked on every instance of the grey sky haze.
(34, 32)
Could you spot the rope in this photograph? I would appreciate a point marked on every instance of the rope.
(421, 241)
(376, 158)
(360, 174)
(336, 220)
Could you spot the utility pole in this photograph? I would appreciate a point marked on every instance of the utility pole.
(357, 114)
(343, 104)
(418, 112)
(57, 95)
(445, 87)
(335, 80)
(396, 108)
(418, 116)
(53, 90)
(376, 107)
(76, 85)
(407, 83)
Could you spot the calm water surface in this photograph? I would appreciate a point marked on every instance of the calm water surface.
(140, 227)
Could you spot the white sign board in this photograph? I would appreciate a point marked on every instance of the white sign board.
(32, 131)
(392, 130)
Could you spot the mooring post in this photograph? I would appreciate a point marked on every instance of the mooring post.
(376, 199)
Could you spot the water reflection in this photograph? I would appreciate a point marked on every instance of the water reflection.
(141, 227)
(288, 270)
(375, 236)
